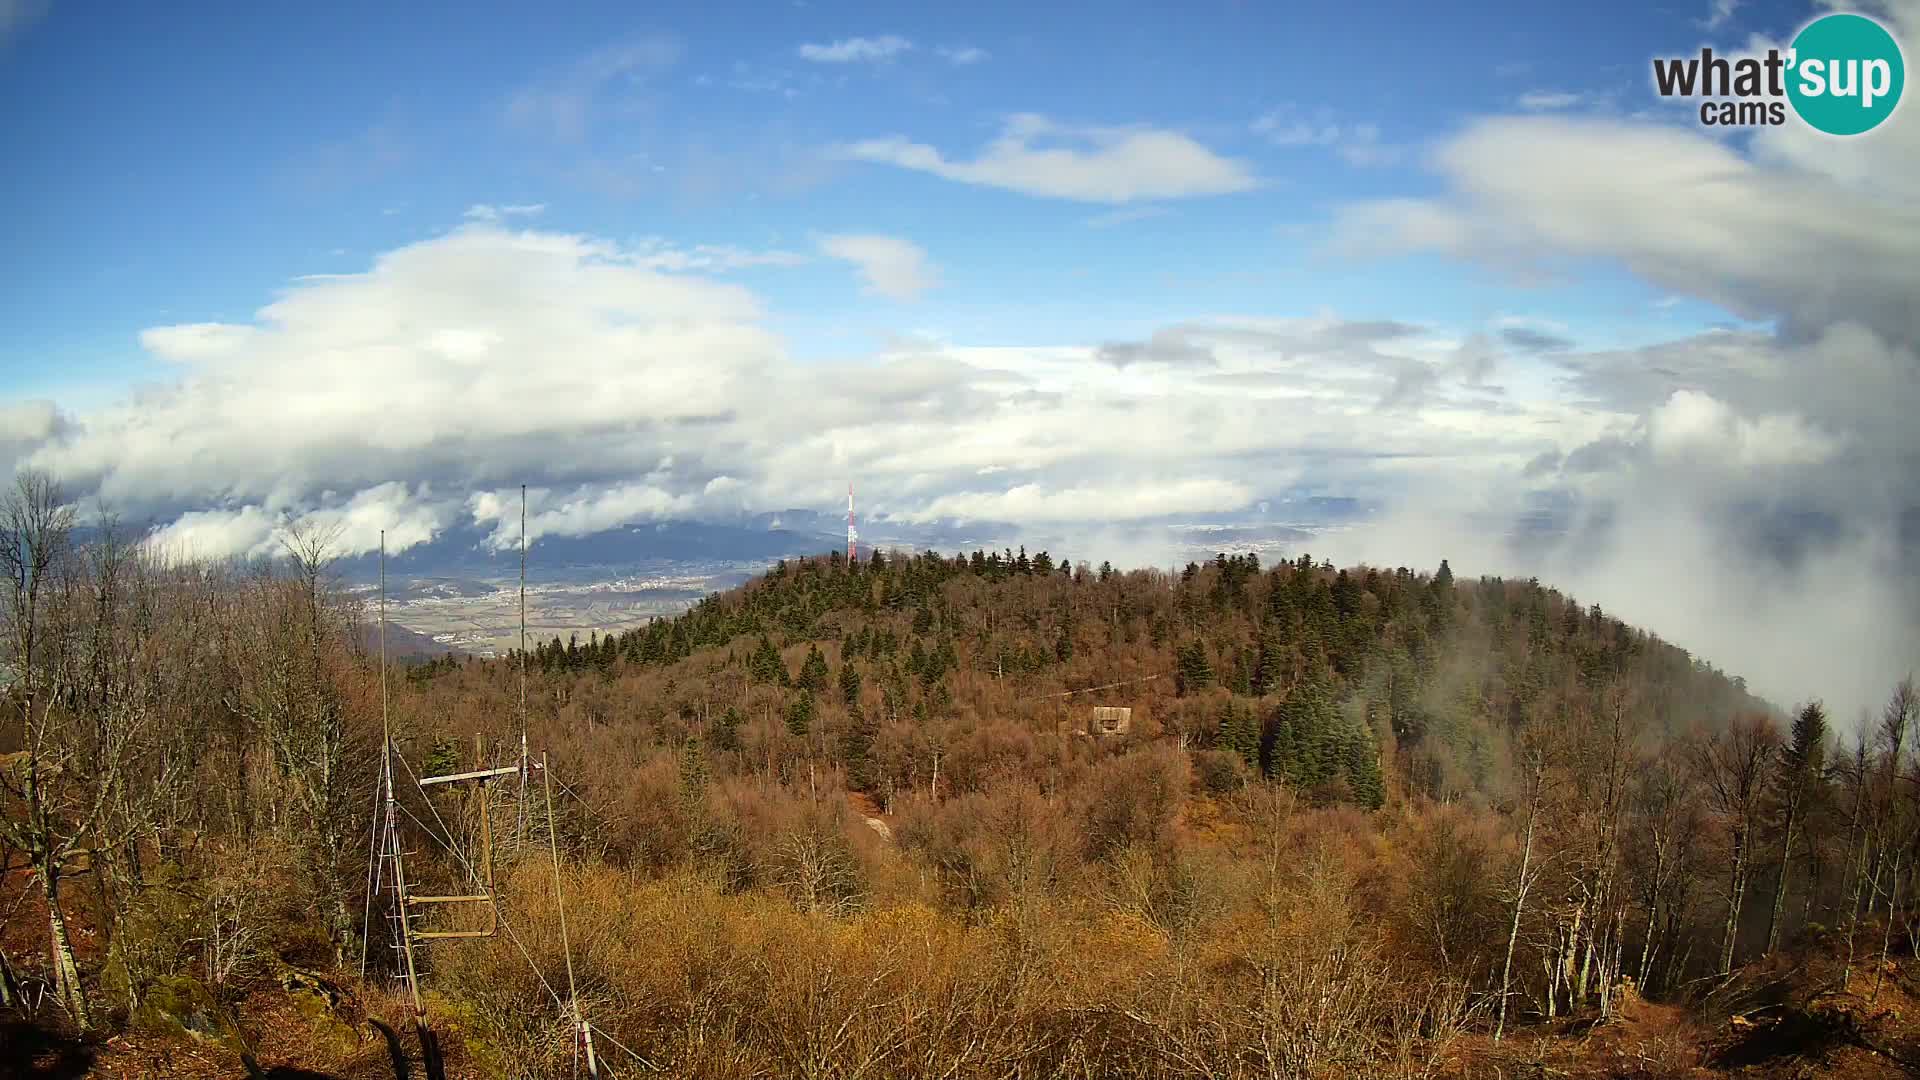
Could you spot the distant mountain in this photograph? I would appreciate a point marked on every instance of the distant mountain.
(403, 644)
(462, 552)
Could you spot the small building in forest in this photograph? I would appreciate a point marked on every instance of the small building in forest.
(1110, 720)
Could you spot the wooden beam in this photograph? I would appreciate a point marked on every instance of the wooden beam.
(482, 774)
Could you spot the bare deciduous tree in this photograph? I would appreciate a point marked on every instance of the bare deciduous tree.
(1733, 765)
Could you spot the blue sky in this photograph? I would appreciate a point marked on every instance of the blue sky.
(172, 167)
(1082, 269)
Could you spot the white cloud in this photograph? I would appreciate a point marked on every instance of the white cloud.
(655, 253)
(1719, 14)
(489, 212)
(485, 358)
(1684, 211)
(195, 341)
(1693, 426)
(1294, 126)
(215, 534)
(1036, 156)
(1747, 494)
(355, 526)
(857, 50)
(895, 268)
(582, 511)
(1132, 500)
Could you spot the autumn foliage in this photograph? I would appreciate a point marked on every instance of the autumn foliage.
(851, 820)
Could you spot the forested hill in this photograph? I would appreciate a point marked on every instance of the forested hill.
(1339, 681)
(1364, 820)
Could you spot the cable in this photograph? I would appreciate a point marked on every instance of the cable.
(373, 884)
(1091, 689)
(623, 1046)
(560, 907)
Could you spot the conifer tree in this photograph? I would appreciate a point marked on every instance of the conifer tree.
(800, 713)
(1193, 670)
(849, 683)
(856, 747)
(1268, 674)
(1362, 767)
(726, 730)
(1797, 771)
(765, 666)
(813, 672)
(1239, 733)
(694, 773)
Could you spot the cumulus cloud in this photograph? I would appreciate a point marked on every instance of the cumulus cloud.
(857, 50)
(355, 526)
(1685, 211)
(27, 425)
(1121, 502)
(195, 341)
(892, 267)
(584, 510)
(416, 395)
(1693, 426)
(1038, 156)
(1748, 494)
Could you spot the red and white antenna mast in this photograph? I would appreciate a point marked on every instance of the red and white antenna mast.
(853, 537)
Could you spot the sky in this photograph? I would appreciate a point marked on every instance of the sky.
(1063, 268)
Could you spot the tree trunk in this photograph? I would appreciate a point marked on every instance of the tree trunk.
(1519, 904)
(66, 973)
(1780, 880)
(1736, 895)
(1886, 933)
(1585, 943)
(1648, 946)
(1858, 874)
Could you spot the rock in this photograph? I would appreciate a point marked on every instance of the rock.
(182, 1005)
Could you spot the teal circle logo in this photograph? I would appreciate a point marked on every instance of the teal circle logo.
(1845, 74)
